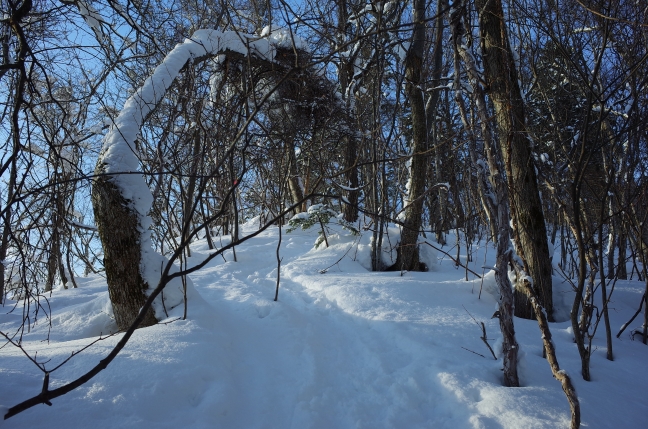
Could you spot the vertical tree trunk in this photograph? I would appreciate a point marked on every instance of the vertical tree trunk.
(350, 208)
(408, 256)
(485, 188)
(345, 73)
(605, 298)
(6, 226)
(188, 205)
(498, 204)
(509, 344)
(530, 234)
(622, 271)
(441, 171)
(119, 232)
(55, 258)
(294, 180)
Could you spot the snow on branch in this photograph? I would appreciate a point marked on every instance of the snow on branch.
(119, 154)
(119, 157)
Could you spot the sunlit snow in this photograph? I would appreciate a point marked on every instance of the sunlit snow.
(346, 349)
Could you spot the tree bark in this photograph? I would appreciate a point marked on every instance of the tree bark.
(15, 21)
(442, 158)
(345, 73)
(119, 232)
(350, 207)
(294, 180)
(509, 344)
(530, 233)
(485, 188)
(408, 255)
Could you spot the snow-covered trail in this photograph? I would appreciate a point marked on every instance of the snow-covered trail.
(343, 349)
(347, 348)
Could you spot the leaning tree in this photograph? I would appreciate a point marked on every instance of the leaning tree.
(121, 197)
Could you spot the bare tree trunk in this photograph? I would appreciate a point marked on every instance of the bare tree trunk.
(622, 271)
(530, 234)
(408, 255)
(509, 344)
(484, 187)
(294, 179)
(441, 223)
(345, 73)
(6, 228)
(55, 258)
(350, 208)
(189, 199)
(580, 286)
(640, 219)
(605, 298)
(21, 55)
(378, 214)
(498, 207)
(120, 234)
(208, 233)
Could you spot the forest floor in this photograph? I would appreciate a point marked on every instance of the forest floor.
(344, 348)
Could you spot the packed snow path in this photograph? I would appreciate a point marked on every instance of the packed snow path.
(344, 349)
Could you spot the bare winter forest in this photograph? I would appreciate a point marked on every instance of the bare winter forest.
(132, 129)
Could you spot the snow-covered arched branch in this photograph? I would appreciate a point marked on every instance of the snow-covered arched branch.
(121, 197)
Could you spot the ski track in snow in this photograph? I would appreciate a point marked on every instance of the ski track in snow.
(344, 349)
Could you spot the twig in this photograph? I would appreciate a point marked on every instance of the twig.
(76, 352)
(323, 271)
(483, 337)
(33, 359)
(478, 354)
(323, 230)
(455, 261)
(625, 325)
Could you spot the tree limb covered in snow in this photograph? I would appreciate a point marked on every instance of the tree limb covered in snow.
(122, 201)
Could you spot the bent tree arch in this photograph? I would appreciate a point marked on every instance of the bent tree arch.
(120, 196)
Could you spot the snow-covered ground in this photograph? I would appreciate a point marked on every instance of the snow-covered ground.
(347, 348)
